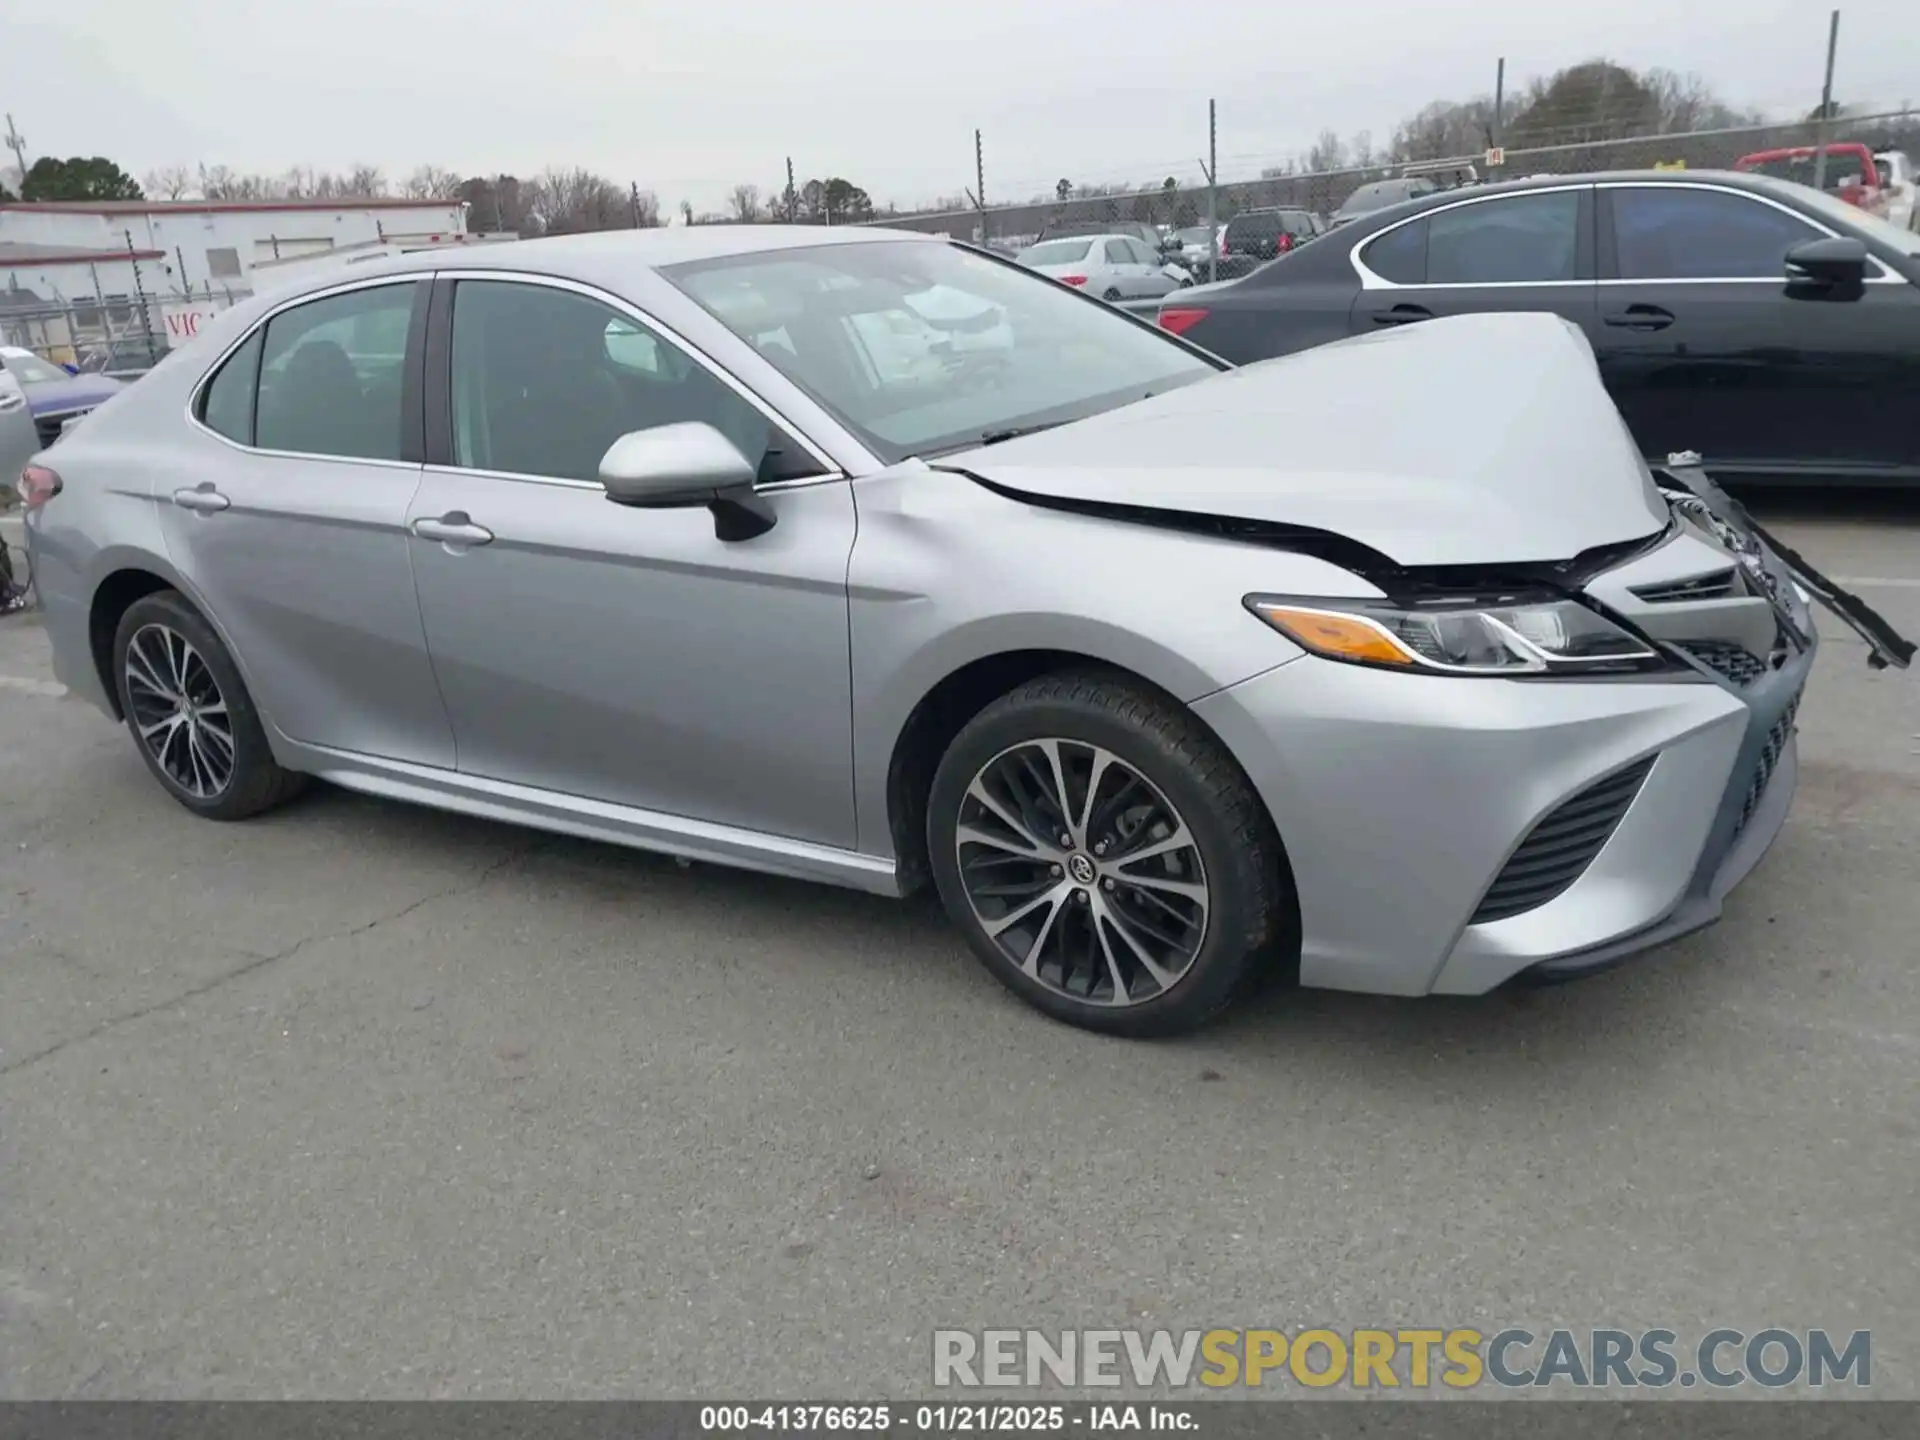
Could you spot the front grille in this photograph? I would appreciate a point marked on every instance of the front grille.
(1558, 850)
(1734, 662)
(1719, 585)
(1770, 753)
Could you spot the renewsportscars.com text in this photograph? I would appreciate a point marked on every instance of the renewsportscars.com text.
(1417, 1359)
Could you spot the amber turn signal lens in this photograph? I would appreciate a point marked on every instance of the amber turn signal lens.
(1343, 637)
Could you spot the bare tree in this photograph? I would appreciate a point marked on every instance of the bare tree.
(686, 211)
(430, 182)
(564, 201)
(365, 182)
(170, 182)
(745, 201)
(222, 182)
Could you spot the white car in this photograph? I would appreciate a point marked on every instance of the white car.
(1114, 267)
(1897, 184)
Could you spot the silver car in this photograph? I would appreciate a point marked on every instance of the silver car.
(1164, 675)
(1114, 267)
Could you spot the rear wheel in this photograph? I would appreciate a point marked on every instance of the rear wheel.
(1104, 856)
(1111, 295)
(190, 714)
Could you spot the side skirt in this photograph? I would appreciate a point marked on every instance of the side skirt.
(562, 814)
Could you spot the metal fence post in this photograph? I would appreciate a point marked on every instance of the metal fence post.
(1213, 186)
(1826, 106)
(140, 297)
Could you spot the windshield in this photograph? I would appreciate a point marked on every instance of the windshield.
(860, 327)
(1055, 252)
(29, 369)
(1838, 213)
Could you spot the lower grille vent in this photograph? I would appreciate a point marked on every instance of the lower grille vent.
(1558, 850)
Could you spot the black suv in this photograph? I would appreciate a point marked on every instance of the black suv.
(1256, 236)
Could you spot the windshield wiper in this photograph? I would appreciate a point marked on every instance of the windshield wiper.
(1014, 432)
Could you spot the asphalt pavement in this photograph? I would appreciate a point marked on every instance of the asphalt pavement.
(363, 1100)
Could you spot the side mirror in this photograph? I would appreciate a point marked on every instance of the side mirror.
(672, 467)
(1840, 260)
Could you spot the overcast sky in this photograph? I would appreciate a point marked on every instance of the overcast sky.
(689, 97)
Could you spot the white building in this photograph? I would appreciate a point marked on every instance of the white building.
(77, 250)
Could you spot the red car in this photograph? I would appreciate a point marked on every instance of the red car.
(1851, 172)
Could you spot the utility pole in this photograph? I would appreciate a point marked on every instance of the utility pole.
(1826, 106)
(17, 143)
(1494, 141)
(1212, 166)
(979, 192)
(633, 192)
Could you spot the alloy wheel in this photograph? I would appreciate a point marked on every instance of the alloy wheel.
(1082, 872)
(178, 711)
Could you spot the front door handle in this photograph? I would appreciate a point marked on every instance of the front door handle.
(1401, 314)
(1641, 317)
(203, 498)
(453, 528)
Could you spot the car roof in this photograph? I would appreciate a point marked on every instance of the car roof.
(590, 256)
(1726, 179)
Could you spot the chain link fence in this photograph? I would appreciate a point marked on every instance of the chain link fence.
(1174, 205)
(111, 333)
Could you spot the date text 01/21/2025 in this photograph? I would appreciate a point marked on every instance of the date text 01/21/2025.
(955, 1419)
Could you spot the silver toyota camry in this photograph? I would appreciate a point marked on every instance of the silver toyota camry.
(727, 542)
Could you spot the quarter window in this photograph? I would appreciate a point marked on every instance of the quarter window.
(332, 373)
(227, 407)
(1525, 239)
(1678, 233)
(545, 380)
(1400, 256)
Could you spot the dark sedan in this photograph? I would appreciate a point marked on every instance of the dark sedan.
(1769, 326)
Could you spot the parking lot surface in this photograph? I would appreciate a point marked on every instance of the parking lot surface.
(364, 1100)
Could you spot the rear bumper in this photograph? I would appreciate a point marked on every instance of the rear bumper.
(1400, 799)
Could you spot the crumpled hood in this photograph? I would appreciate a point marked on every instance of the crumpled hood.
(1469, 440)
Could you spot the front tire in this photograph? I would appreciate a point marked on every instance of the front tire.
(1105, 857)
(190, 715)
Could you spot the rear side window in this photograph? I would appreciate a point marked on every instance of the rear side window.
(227, 406)
(1524, 239)
(1118, 253)
(1674, 233)
(332, 373)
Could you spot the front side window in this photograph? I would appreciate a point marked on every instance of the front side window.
(1010, 350)
(545, 380)
(1523, 239)
(332, 373)
(1676, 233)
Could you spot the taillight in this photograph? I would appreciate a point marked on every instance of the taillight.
(1223, 247)
(37, 485)
(1073, 279)
(1179, 319)
(1286, 244)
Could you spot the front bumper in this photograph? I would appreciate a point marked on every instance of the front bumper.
(1400, 798)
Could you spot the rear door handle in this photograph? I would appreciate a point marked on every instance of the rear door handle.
(453, 528)
(1641, 317)
(203, 498)
(1401, 314)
